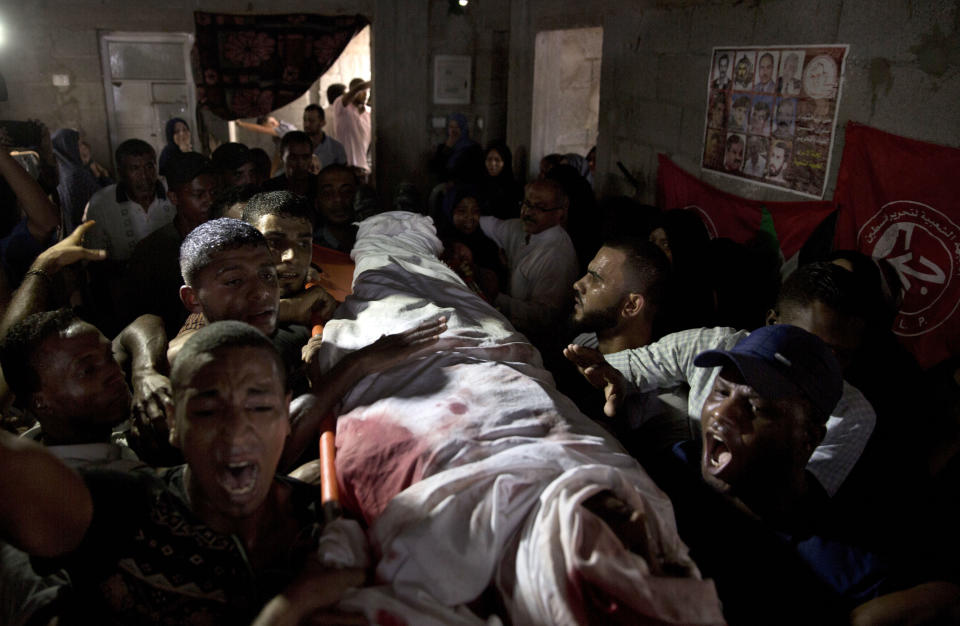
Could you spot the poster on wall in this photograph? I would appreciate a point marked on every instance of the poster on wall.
(451, 79)
(772, 114)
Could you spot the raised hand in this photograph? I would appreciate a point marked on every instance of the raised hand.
(600, 374)
(68, 251)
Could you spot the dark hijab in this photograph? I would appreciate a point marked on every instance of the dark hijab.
(500, 194)
(77, 182)
(171, 149)
(485, 251)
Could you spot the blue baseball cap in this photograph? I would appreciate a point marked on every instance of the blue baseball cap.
(780, 361)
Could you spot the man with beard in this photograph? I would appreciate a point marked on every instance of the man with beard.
(733, 153)
(779, 159)
(616, 304)
(617, 300)
(743, 76)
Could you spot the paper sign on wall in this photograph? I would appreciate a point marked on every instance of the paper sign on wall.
(772, 113)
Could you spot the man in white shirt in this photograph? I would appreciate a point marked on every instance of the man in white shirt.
(334, 91)
(541, 258)
(352, 117)
(131, 209)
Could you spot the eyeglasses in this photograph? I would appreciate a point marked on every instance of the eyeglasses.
(539, 208)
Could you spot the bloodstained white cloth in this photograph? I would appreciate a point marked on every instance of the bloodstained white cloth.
(470, 466)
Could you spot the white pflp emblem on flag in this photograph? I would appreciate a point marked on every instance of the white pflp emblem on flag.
(923, 245)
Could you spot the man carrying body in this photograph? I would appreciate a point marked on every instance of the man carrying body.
(152, 282)
(219, 536)
(541, 258)
(753, 518)
(669, 362)
(353, 123)
(296, 150)
(67, 374)
(131, 209)
(327, 149)
(230, 273)
(617, 300)
(285, 221)
(616, 307)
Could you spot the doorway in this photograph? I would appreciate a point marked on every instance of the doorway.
(566, 93)
(147, 80)
(353, 62)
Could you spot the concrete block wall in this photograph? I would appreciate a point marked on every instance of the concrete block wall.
(47, 37)
(902, 72)
(902, 75)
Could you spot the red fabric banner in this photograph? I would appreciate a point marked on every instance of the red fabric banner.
(898, 200)
(736, 218)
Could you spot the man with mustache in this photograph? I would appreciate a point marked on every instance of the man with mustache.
(541, 258)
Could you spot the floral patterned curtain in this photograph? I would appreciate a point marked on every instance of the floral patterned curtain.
(249, 65)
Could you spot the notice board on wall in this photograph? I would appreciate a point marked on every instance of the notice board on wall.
(772, 114)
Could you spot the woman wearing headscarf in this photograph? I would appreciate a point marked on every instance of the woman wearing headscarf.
(459, 158)
(500, 193)
(177, 132)
(77, 182)
(467, 250)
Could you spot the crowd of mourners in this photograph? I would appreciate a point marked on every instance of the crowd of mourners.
(162, 397)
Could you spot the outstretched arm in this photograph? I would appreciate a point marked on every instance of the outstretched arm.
(42, 215)
(267, 129)
(351, 96)
(143, 344)
(308, 411)
(47, 508)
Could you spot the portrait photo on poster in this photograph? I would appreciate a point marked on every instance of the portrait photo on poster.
(771, 114)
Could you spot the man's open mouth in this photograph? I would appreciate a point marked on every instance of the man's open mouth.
(718, 453)
(239, 478)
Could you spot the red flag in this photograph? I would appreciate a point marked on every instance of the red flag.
(898, 200)
(727, 215)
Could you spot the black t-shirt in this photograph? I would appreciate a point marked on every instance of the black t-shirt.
(148, 559)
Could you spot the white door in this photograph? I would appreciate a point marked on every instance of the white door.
(147, 80)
